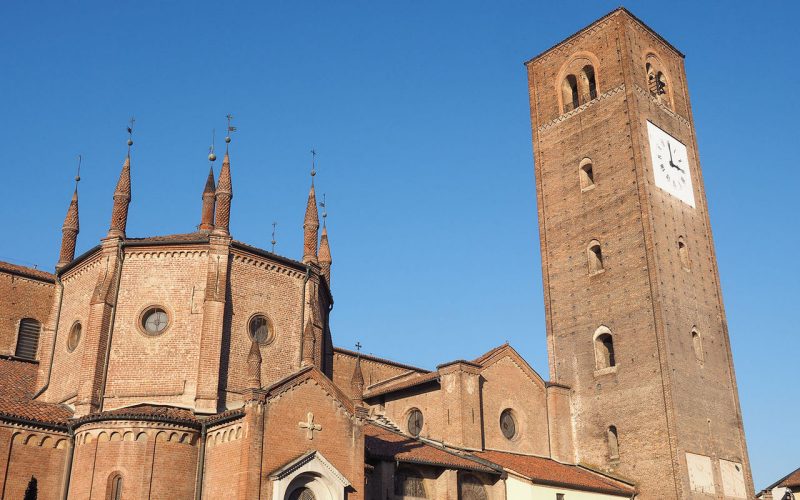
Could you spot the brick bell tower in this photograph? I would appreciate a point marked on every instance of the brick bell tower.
(635, 320)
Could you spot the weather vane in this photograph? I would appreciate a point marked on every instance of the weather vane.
(274, 224)
(313, 164)
(130, 133)
(324, 209)
(78, 175)
(211, 156)
(231, 128)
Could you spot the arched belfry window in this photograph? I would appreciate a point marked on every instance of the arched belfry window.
(683, 253)
(613, 443)
(697, 345)
(657, 81)
(604, 348)
(594, 254)
(586, 174)
(589, 83)
(569, 93)
(28, 339)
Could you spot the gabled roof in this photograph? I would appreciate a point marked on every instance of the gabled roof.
(27, 272)
(17, 379)
(309, 456)
(369, 357)
(546, 471)
(311, 373)
(790, 480)
(385, 444)
(503, 351)
(414, 380)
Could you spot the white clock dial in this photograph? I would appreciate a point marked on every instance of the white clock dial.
(670, 164)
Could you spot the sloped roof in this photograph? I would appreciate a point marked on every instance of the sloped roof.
(413, 380)
(791, 480)
(311, 373)
(17, 379)
(385, 444)
(370, 357)
(27, 272)
(547, 471)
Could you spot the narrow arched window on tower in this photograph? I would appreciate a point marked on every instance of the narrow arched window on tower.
(595, 256)
(114, 488)
(586, 174)
(590, 83)
(569, 93)
(683, 253)
(28, 339)
(613, 443)
(697, 345)
(604, 348)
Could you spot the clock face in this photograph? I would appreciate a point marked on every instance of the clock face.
(670, 165)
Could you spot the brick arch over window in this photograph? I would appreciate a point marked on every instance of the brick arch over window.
(594, 257)
(604, 348)
(586, 174)
(114, 487)
(583, 70)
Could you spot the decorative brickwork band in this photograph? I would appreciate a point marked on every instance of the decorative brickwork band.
(325, 256)
(254, 366)
(224, 195)
(122, 198)
(207, 216)
(69, 232)
(311, 229)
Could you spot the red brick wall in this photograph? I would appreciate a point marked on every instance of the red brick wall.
(373, 370)
(25, 454)
(223, 461)
(20, 298)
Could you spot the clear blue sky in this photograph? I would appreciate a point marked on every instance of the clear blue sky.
(419, 111)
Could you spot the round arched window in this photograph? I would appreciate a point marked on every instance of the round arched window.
(154, 320)
(507, 424)
(260, 329)
(415, 422)
(74, 337)
(302, 494)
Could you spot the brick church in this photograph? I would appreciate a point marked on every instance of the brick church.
(196, 366)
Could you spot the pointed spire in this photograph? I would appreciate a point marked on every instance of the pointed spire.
(122, 195)
(224, 195)
(311, 221)
(325, 260)
(207, 214)
(71, 226)
(357, 382)
(254, 366)
(308, 344)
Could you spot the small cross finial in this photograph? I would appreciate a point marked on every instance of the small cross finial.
(309, 426)
(324, 209)
(78, 175)
(313, 164)
(230, 129)
(211, 156)
(358, 346)
(274, 224)
(130, 133)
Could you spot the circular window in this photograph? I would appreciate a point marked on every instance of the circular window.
(260, 329)
(74, 336)
(507, 424)
(415, 422)
(154, 320)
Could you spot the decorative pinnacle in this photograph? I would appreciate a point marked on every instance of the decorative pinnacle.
(230, 129)
(274, 224)
(211, 156)
(78, 175)
(130, 134)
(324, 209)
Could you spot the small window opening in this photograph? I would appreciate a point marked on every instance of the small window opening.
(115, 487)
(683, 253)
(604, 348)
(569, 92)
(613, 443)
(595, 256)
(586, 174)
(697, 345)
(415, 422)
(32, 490)
(408, 483)
(560, 496)
(590, 82)
(28, 339)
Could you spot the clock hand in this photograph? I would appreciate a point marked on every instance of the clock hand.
(671, 164)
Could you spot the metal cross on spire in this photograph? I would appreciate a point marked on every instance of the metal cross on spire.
(230, 129)
(130, 133)
(358, 346)
(274, 224)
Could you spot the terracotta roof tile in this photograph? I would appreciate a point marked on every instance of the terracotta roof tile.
(370, 357)
(171, 238)
(17, 379)
(389, 445)
(405, 383)
(27, 272)
(791, 480)
(548, 471)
